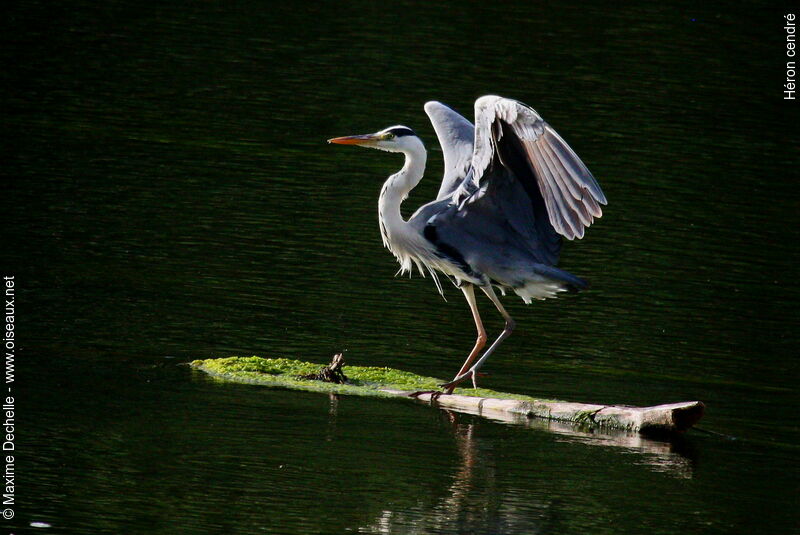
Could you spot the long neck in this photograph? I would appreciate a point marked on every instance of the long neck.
(396, 189)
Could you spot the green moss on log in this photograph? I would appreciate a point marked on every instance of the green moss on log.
(363, 380)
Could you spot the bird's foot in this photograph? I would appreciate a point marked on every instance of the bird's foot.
(449, 387)
(435, 394)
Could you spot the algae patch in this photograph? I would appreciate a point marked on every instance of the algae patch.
(363, 380)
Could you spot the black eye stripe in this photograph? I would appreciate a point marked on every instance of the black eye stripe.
(399, 132)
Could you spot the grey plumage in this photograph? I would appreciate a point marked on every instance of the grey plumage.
(456, 135)
(512, 189)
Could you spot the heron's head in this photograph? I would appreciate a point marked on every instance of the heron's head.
(393, 139)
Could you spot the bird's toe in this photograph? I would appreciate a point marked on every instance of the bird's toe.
(433, 393)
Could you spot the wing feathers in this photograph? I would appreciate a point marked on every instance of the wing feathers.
(549, 177)
(558, 163)
(571, 160)
(571, 194)
(567, 187)
(456, 136)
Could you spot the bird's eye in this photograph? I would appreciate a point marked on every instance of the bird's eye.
(388, 135)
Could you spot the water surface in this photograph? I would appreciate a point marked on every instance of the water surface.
(171, 197)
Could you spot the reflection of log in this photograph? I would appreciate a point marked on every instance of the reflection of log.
(671, 417)
(663, 453)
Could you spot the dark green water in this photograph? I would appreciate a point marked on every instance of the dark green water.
(169, 196)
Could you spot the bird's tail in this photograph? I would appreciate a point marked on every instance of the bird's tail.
(549, 282)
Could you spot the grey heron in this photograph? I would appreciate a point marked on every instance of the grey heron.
(512, 189)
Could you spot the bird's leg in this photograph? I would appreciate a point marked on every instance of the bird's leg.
(469, 294)
(472, 372)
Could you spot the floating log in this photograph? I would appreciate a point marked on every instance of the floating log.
(669, 417)
(388, 382)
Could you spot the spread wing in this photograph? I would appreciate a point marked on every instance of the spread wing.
(456, 136)
(513, 143)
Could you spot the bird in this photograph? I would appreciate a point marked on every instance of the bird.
(512, 190)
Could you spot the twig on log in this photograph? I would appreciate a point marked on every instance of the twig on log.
(332, 373)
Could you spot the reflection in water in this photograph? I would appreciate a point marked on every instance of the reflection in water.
(464, 480)
(671, 455)
(471, 502)
(333, 399)
(475, 501)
